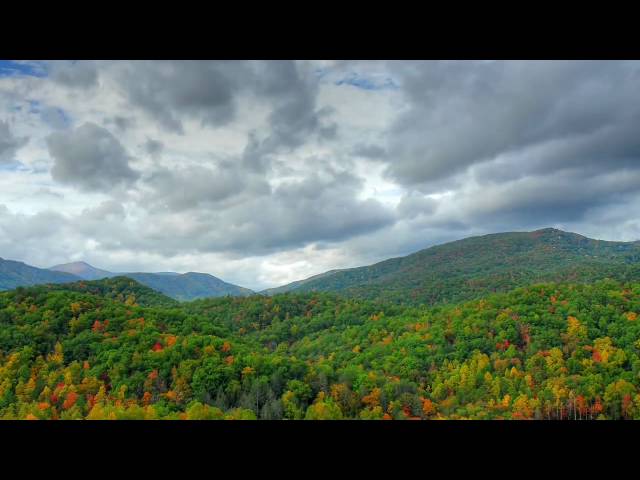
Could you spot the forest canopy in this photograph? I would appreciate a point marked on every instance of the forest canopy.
(547, 351)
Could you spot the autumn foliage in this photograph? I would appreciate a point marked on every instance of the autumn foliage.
(319, 356)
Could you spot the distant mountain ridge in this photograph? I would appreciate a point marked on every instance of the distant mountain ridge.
(474, 266)
(188, 286)
(15, 274)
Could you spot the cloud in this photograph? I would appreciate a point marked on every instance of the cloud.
(74, 74)
(9, 143)
(195, 186)
(372, 152)
(54, 117)
(171, 93)
(218, 211)
(123, 123)
(461, 114)
(89, 158)
(154, 147)
(413, 205)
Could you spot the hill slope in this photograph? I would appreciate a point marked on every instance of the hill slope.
(189, 286)
(298, 284)
(475, 266)
(16, 274)
(119, 289)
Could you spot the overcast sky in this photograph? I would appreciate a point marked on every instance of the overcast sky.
(262, 173)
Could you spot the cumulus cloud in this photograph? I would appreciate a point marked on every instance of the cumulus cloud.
(195, 186)
(321, 207)
(89, 157)
(9, 143)
(74, 74)
(154, 147)
(464, 113)
(210, 92)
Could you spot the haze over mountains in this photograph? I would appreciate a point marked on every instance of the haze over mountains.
(451, 272)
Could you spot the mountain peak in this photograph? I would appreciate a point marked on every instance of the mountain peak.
(83, 270)
(549, 230)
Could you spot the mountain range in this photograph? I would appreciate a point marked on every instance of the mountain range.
(187, 286)
(447, 273)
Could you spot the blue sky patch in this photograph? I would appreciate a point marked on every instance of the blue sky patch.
(12, 68)
(367, 83)
(13, 166)
(354, 79)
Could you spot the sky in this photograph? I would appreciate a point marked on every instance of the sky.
(266, 172)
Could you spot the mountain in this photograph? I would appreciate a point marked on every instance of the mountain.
(83, 270)
(120, 289)
(188, 286)
(468, 268)
(17, 274)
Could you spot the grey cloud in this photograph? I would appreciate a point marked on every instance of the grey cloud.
(170, 92)
(74, 74)
(48, 237)
(107, 209)
(154, 147)
(318, 208)
(373, 152)
(413, 205)
(9, 143)
(24, 238)
(321, 207)
(294, 119)
(90, 158)
(54, 117)
(465, 113)
(122, 123)
(611, 148)
(196, 186)
(539, 201)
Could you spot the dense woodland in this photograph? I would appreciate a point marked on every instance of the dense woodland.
(114, 349)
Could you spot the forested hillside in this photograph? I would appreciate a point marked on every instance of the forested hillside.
(547, 351)
(473, 267)
(121, 289)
